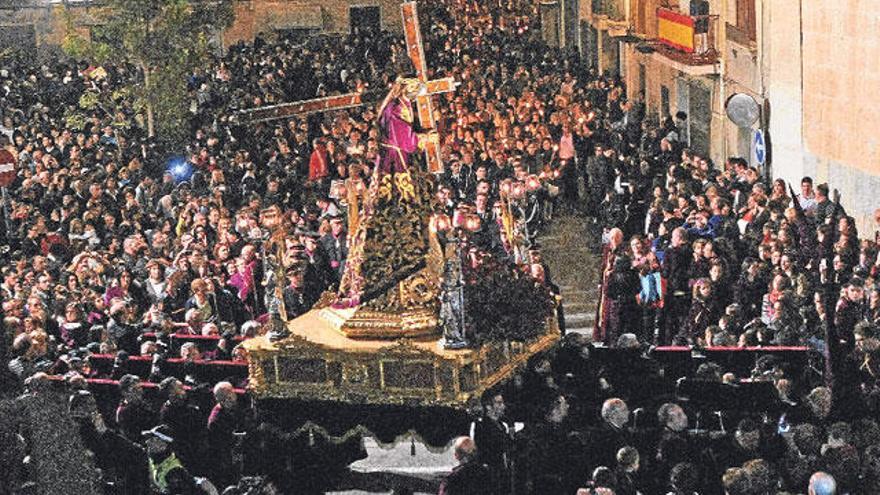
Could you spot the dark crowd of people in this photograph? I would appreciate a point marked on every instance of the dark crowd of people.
(120, 247)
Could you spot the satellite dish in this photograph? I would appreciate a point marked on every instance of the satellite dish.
(742, 109)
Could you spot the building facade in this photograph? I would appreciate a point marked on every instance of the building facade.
(812, 69)
(35, 23)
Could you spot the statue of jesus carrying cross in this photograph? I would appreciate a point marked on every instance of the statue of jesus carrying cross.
(390, 243)
(398, 138)
(388, 252)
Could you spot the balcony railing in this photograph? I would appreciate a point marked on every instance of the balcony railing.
(689, 40)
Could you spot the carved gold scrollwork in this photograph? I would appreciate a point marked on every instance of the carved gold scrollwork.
(384, 191)
(419, 290)
(451, 379)
(405, 185)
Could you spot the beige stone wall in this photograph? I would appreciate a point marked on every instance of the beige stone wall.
(824, 92)
(841, 50)
(255, 16)
(784, 89)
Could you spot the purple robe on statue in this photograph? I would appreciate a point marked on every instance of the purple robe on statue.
(399, 140)
(389, 244)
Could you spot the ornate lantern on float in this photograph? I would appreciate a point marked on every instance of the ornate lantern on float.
(472, 223)
(533, 183)
(440, 222)
(518, 191)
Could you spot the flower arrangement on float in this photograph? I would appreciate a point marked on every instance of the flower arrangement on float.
(503, 303)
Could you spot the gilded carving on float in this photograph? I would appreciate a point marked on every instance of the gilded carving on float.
(403, 372)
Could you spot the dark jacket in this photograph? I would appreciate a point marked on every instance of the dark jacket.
(125, 336)
(295, 302)
(493, 439)
(676, 268)
(337, 250)
(470, 478)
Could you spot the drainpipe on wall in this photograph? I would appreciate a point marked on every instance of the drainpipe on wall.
(562, 32)
(765, 121)
(721, 42)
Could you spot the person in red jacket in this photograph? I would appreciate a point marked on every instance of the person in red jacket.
(318, 163)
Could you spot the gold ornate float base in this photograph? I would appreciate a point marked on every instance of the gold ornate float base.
(360, 323)
(319, 363)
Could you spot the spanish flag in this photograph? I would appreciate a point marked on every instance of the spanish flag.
(675, 30)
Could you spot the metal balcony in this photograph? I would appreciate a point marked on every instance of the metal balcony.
(687, 42)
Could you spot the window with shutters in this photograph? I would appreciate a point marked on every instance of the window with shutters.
(744, 31)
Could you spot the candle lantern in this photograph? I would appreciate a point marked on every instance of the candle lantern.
(440, 223)
(458, 218)
(472, 223)
(532, 183)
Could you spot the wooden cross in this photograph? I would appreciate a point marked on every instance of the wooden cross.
(298, 108)
(424, 104)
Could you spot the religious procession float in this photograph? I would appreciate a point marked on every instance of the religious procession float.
(418, 322)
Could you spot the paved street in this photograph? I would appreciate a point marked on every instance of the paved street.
(574, 267)
(387, 467)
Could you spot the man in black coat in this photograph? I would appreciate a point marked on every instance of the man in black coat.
(319, 275)
(848, 312)
(827, 209)
(623, 287)
(470, 477)
(226, 418)
(492, 436)
(599, 178)
(296, 302)
(601, 443)
(133, 415)
(336, 246)
(552, 452)
(676, 263)
(840, 343)
(123, 335)
(459, 181)
(185, 422)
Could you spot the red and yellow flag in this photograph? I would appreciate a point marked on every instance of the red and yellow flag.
(675, 30)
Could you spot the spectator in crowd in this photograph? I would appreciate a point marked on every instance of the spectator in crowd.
(224, 422)
(470, 477)
(132, 415)
(109, 250)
